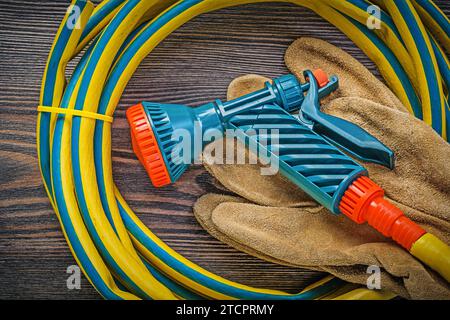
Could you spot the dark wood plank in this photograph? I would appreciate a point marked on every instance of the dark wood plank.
(194, 65)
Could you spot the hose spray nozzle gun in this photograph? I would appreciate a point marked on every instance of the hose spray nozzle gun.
(156, 128)
(311, 147)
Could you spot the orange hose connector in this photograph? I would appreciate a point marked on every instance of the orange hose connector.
(364, 202)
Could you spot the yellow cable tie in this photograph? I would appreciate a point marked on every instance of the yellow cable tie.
(75, 112)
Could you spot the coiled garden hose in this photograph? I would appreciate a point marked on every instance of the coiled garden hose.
(118, 254)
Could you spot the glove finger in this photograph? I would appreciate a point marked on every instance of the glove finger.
(355, 80)
(245, 84)
(308, 236)
(203, 210)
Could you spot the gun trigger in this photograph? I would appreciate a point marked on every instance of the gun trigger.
(344, 134)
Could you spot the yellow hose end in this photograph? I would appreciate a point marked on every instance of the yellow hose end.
(434, 253)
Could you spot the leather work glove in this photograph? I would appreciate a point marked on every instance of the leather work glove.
(275, 220)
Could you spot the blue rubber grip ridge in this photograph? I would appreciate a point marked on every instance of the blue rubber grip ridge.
(305, 158)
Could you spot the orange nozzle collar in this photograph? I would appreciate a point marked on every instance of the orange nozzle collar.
(145, 146)
(364, 202)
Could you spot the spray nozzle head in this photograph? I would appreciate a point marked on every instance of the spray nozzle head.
(146, 146)
(165, 137)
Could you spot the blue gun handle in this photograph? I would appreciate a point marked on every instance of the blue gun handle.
(342, 133)
(304, 157)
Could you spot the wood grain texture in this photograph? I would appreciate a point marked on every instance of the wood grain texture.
(194, 65)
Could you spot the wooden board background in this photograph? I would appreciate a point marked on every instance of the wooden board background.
(194, 65)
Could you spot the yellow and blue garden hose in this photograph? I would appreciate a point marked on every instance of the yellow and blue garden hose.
(118, 254)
